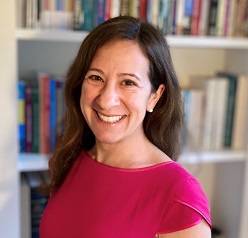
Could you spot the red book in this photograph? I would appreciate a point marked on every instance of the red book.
(196, 17)
(107, 9)
(143, 9)
(44, 116)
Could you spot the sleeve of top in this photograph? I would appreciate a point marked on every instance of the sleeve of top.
(187, 207)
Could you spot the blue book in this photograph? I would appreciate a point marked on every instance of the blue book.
(21, 115)
(188, 7)
(53, 113)
(88, 7)
(100, 11)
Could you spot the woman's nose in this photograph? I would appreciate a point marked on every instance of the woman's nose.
(108, 97)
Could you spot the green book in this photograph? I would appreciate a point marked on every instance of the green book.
(232, 78)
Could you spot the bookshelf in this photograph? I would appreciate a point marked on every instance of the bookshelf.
(32, 48)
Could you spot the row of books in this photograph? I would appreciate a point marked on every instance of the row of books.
(34, 197)
(189, 17)
(215, 112)
(41, 111)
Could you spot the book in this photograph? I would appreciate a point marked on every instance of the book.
(143, 9)
(28, 118)
(25, 208)
(219, 116)
(60, 108)
(203, 24)
(53, 114)
(231, 19)
(35, 115)
(134, 8)
(164, 16)
(21, 115)
(44, 112)
(179, 17)
(84, 15)
(239, 138)
(220, 18)
(124, 7)
(240, 19)
(77, 15)
(38, 198)
(195, 120)
(232, 78)
(21, 13)
(212, 17)
(100, 11)
(195, 22)
(115, 8)
(187, 19)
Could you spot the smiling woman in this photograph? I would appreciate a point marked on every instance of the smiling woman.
(114, 172)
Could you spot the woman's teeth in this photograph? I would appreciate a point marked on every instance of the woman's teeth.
(109, 119)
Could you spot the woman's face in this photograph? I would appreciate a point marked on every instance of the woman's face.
(116, 92)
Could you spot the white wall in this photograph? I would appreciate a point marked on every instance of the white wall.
(9, 189)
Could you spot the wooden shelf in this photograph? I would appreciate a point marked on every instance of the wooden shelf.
(173, 40)
(39, 162)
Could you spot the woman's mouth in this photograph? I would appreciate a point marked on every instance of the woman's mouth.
(111, 119)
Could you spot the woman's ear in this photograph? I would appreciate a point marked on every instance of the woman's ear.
(155, 96)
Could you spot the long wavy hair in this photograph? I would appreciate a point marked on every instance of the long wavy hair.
(162, 127)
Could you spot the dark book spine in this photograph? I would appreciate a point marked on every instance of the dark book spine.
(212, 17)
(35, 116)
(28, 117)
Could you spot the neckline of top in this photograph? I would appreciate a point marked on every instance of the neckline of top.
(138, 169)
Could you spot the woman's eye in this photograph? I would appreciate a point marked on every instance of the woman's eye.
(129, 83)
(95, 77)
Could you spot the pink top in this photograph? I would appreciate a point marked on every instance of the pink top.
(97, 200)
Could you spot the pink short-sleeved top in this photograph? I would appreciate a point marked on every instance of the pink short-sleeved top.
(97, 200)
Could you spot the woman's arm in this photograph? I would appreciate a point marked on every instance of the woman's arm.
(201, 230)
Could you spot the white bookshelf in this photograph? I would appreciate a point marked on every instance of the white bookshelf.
(53, 51)
(39, 162)
(173, 41)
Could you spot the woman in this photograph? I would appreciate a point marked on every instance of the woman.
(114, 172)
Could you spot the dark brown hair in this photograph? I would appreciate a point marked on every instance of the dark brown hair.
(162, 127)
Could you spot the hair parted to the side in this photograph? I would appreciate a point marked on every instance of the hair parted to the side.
(162, 127)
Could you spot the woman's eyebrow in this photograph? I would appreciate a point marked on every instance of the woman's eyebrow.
(96, 69)
(131, 75)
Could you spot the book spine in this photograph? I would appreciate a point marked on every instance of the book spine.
(35, 116)
(77, 15)
(230, 107)
(44, 113)
(179, 17)
(220, 18)
(143, 9)
(240, 23)
(59, 109)
(196, 17)
(187, 19)
(100, 11)
(212, 17)
(107, 10)
(232, 16)
(164, 15)
(52, 114)
(124, 7)
(28, 117)
(203, 25)
(227, 17)
(115, 8)
(88, 7)
(134, 8)
(21, 115)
